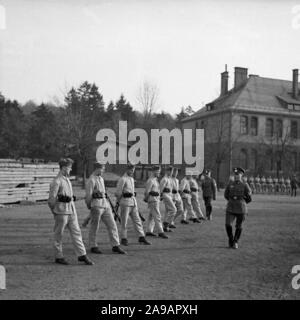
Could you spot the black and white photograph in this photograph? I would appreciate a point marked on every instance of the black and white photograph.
(149, 151)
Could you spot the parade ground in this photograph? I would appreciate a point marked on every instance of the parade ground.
(194, 263)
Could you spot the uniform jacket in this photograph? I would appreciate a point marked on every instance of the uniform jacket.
(209, 188)
(175, 186)
(61, 185)
(194, 184)
(166, 182)
(235, 193)
(126, 185)
(185, 185)
(152, 184)
(94, 184)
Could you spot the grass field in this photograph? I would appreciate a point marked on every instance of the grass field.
(194, 263)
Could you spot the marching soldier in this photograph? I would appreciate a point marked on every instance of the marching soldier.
(276, 185)
(237, 194)
(152, 197)
(195, 198)
(185, 191)
(166, 186)
(282, 185)
(125, 195)
(176, 197)
(209, 190)
(61, 203)
(96, 201)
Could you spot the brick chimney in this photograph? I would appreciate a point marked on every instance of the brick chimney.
(224, 81)
(295, 83)
(240, 76)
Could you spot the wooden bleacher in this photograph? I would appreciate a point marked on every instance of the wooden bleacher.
(25, 181)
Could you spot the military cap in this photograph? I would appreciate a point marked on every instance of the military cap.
(65, 162)
(130, 166)
(98, 165)
(169, 168)
(238, 170)
(155, 168)
(175, 169)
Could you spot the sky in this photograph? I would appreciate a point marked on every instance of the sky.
(181, 47)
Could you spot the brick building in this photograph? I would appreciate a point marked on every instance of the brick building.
(255, 125)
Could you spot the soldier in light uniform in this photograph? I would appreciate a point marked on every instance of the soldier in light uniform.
(252, 184)
(185, 191)
(257, 184)
(166, 186)
(237, 193)
(263, 184)
(125, 195)
(176, 197)
(282, 185)
(152, 197)
(96, 201)
(270, 185)
(276, 185)
(209, 190)
(195, 198)
(288, 185)
(61, 203)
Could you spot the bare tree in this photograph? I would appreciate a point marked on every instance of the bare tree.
(147, 98)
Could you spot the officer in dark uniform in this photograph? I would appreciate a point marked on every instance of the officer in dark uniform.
(209, 190)
(238, 193)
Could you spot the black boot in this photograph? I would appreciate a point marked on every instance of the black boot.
(237, 235)
(230, 235)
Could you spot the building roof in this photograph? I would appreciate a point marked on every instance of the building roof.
(258, 94)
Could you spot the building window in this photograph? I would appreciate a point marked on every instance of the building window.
(253, 159)
(253, 126)
(244, 125)
(294, 129)
(269, 128)
(279, 128)
(243, 159)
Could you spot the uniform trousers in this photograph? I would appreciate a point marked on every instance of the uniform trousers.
(131, 211)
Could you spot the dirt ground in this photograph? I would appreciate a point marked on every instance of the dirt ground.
(194, 263)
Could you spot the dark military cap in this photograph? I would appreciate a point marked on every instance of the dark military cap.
(130, 166)
(238, 170)
(155, 168)
(169, 168)
(175, 169)
(65, 162)
(98, 165)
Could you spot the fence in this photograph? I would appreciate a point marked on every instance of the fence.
(25, 182)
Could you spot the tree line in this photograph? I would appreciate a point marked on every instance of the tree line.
(49, 131)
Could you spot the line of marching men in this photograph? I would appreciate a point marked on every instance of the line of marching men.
(273, 185)
(180, 200)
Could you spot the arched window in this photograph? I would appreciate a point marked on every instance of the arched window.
(254, 126)
(244, 124)
(269, 127)
(279, 128)
(243, 159)
(253, 163)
